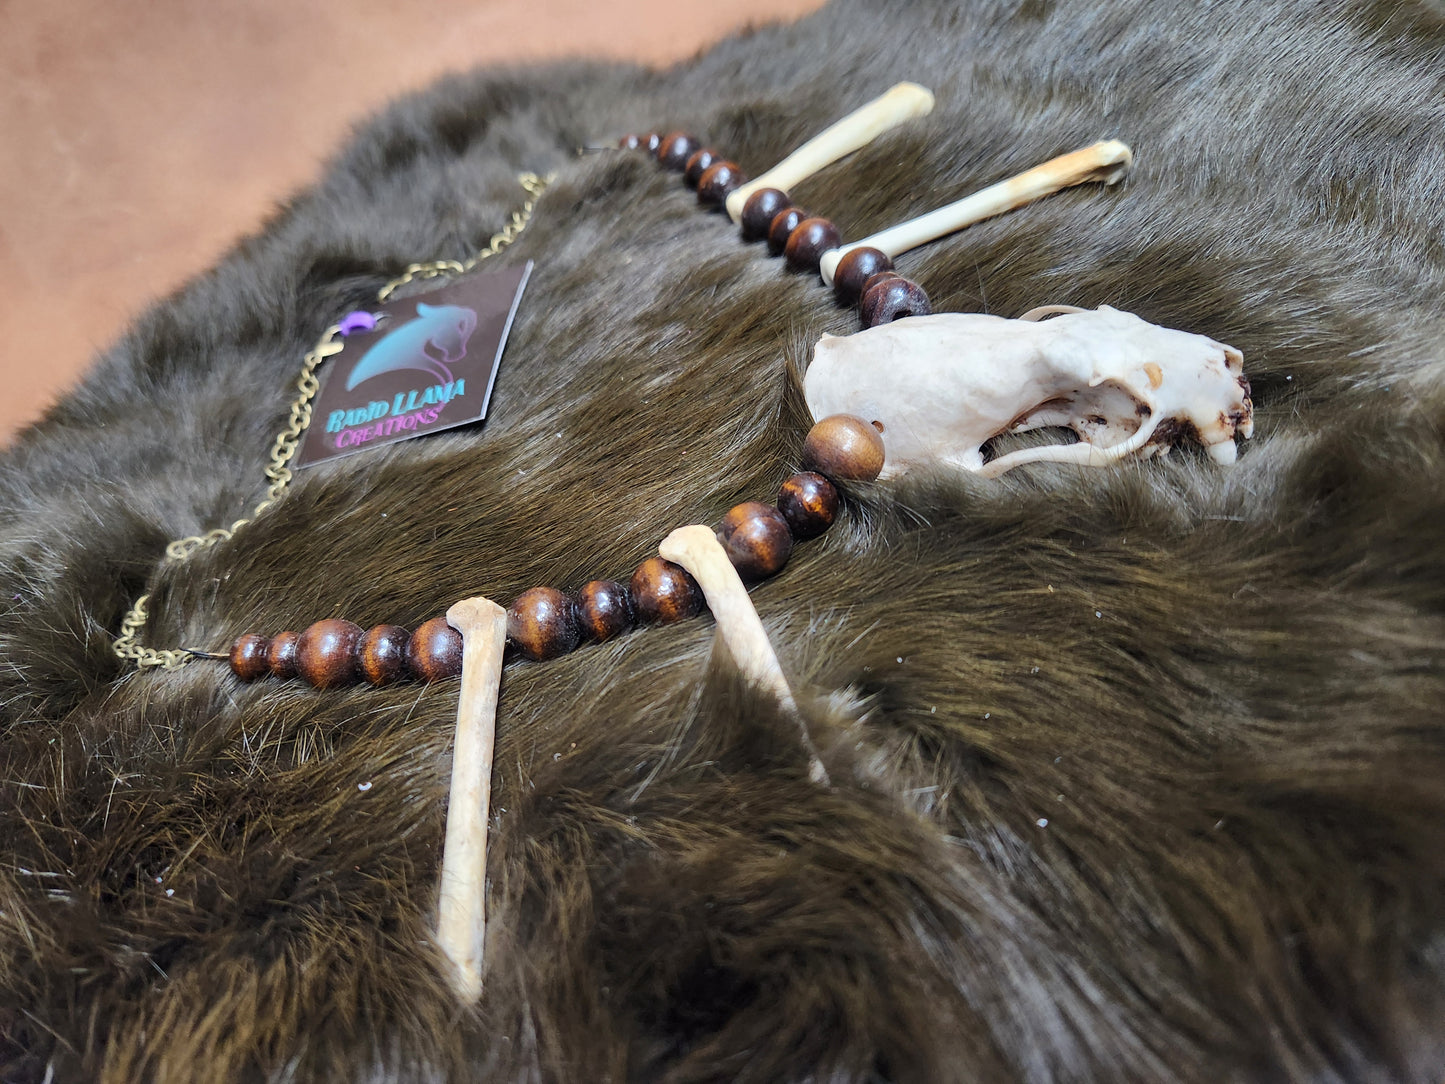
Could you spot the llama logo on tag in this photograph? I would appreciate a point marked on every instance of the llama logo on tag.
(443, 328)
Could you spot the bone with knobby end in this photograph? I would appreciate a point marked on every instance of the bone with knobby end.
(461, 919)
(1106, 162)
(697, 549)
(901, 102)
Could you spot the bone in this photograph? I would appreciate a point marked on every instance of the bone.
(899, 103)
(461, 920)
(1107, 162)
(697, 549)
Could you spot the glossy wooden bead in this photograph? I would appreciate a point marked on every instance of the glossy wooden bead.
(664, 592)
(857, 267)
(893, 299)
(807, 243)
(434, 651)
(381, 654)
(698, 164)
(631, 142)
(676, 149)
(248, 656)
(873, 280)
(756, 538)
(541, 622)
(326, 653)
(604, 610)
(281, 655)
(809, 502)
(783, 224)
(760, 210)
(718, 182)
(844, 449)
(652, 141)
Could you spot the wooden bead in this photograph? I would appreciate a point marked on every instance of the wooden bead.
(760, 210)
(434, 651)
(718, 181)
(807, 243)
(893, 299)
(326, 653)
(248, 656)
(651, 141)
(604, 610)
(676, 149)
(540, 621)
(783, 224)
(664, 592)
(809, 502)
(630, 142)
(756, 538)
(873, 280)
(698, 164)
(856, 267)
(844, 449)
(281, 655)
(381, 654)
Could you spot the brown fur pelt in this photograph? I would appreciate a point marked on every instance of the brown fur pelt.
(1137, 773)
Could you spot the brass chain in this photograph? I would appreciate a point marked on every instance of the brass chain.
(283, 449)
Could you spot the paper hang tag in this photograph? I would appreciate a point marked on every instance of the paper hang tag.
(428, 365)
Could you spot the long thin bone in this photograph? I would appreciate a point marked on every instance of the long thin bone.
(901, 102)
(462, 914)
(697, 549)
(1107, 162)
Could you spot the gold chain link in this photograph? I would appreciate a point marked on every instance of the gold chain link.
(283, 449)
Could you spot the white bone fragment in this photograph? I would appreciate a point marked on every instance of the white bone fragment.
(940, 387)
(901, 102)
(1107, 162)
(697, 549)
(461, 919)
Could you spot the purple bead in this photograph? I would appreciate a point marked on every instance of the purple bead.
(357, 321)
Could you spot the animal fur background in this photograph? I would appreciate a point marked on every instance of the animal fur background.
(1138, 772)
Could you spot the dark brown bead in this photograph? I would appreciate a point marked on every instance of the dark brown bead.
(760, 210)
(807, 243)
(756, 538)
(630, 142)
(652, 141)
(604, 610)
(664, 592)
(281, 655)
(809, 503)
(873, 280)
(381, 654)
(855, 268)
(248, 656)
(676, 149)
(540, 621)
(783, 224)
(434, 651)
(718, 181)
(844, 449)
(699, 164)
(893, 299)
(326, 653)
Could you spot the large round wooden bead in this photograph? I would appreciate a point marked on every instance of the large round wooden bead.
(760, 210)
(718, 182)
(676, 149)
(248, 656)
(783, 224)
(604, 610)
(381, 654)
(756, 539)
(855, 268)
(434, 651)
(809, 502)
(893, 299)
(664, 592)
(281, 655)
(541, 623)
(806, 244)
(700, 162)
(326, 653)
(844, 449)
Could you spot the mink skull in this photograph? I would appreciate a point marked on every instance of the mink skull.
(940, 387)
